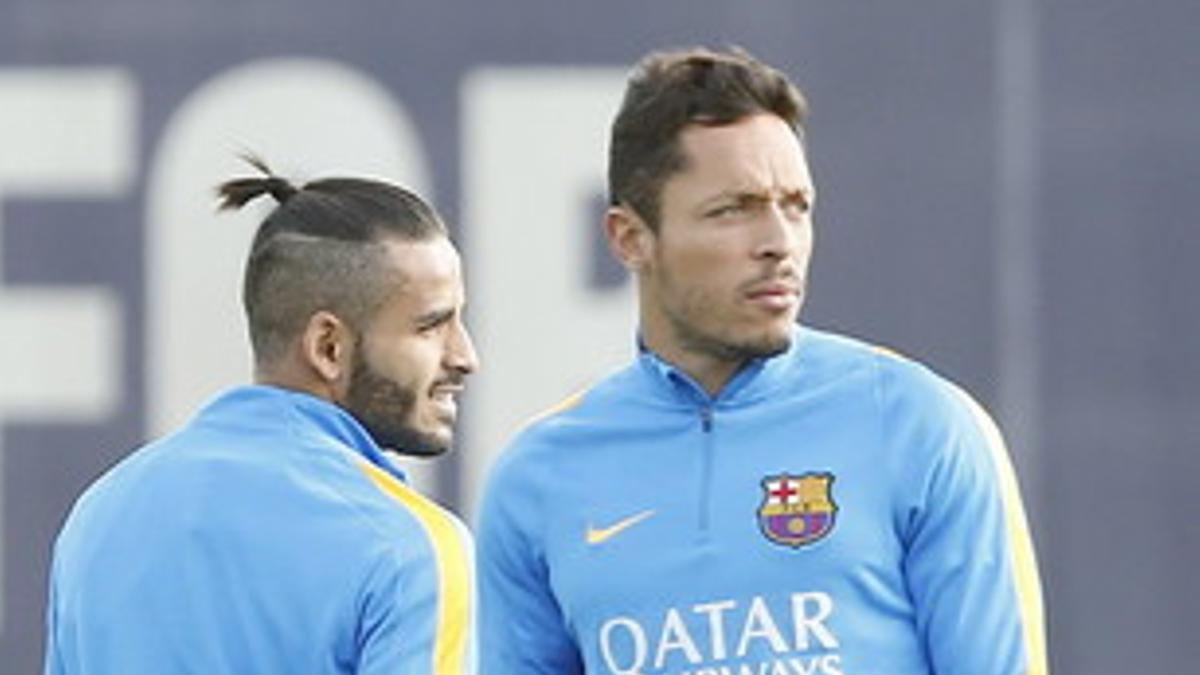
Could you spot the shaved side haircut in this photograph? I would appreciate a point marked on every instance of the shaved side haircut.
(321, 248)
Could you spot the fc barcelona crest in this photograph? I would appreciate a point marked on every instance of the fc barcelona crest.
(797, 510)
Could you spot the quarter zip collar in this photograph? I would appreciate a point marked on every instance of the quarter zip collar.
(266, 406)
(754, 380)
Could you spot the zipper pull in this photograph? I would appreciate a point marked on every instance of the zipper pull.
(706, 419)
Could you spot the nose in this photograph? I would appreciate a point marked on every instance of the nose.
(460, 353)
(780, 234)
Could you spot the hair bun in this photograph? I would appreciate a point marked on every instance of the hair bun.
(234, 194)
(279, 188)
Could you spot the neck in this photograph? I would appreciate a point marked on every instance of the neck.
(710, 371)
(285, 379)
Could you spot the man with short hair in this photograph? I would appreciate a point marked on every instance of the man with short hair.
(750, 495)
(272, 534)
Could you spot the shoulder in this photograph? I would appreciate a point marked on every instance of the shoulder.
(916, 391)
(582, 414)
(439, 524)
(428, 562)
(418, 535)
(914, 400)
(824, 357)
(553, 444)
(933, 421)
(897, 377)
(822, 351)
(148, 478)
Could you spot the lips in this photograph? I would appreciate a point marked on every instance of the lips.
(774, 295)
(444, 396)
(773, 290)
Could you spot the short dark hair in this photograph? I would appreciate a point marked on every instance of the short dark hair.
(321, 248)
(668, 91)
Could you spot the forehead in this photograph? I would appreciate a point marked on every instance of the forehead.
(424, 270)
(756, 153)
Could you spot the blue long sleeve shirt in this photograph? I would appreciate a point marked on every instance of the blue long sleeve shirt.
(835, 510)
(269, 535)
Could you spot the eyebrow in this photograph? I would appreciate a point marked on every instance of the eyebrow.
(757, 195)
(809, 195)
(435, 317)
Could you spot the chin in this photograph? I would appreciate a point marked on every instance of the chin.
(412, 442)
(775, 346)
(771, 342)
(432, 444)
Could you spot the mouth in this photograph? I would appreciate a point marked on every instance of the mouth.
(774, 295)
(445, 398)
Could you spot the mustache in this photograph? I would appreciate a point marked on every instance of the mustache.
(454, 379)
(788, 276)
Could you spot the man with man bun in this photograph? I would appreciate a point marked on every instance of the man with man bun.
(272, 533)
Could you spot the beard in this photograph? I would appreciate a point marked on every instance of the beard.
(726, 348)
(699, 332)
(384, 406)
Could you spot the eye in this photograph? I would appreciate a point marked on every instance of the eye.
(433, 323)
(796, 207)
(725, 210)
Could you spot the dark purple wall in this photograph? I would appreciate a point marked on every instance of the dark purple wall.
(1007, 192)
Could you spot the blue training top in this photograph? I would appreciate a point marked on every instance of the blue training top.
(835, 510)
(269, 535)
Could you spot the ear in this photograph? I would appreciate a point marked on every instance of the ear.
(327, 345)
(629, 237)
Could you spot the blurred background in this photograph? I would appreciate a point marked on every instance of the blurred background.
(1008, 193)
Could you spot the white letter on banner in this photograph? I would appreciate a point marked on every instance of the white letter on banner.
(534, 148)
(63, 132)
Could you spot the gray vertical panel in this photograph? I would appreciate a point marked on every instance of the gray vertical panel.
(902, 143)
(1121, 160)
(1015, 267)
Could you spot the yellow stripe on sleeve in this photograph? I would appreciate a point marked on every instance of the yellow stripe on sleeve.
(1029, 587)
(560, 407)
(454, 619)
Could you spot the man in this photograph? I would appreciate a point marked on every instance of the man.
(750, 497)
(272, 534)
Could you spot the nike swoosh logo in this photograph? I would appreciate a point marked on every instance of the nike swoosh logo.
(603, 534)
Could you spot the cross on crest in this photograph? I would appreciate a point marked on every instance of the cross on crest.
(797, 510)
